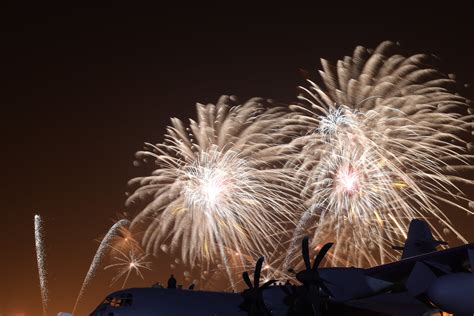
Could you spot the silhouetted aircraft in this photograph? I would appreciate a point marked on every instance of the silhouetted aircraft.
(424, 282)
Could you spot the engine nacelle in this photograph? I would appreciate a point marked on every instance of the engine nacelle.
(453, 293)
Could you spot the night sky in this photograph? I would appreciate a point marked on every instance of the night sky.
(83, 88)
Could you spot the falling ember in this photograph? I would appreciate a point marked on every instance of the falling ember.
(98, 257)
(40, 257)
(399, 185)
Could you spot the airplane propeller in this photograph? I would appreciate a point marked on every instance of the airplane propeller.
(253, 296)
(312, 282)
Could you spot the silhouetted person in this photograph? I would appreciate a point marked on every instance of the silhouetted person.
(172, 282)
(191, 287)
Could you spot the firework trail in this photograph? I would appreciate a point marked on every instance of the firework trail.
(383, 142)
(218, 183)
(134, 260)
(40, 257)
(98, 257)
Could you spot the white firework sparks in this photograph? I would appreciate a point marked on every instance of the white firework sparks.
(219, 184)
(335, 120)
(127, 262)
(214, 181)
(381, 143)
(40, 258)
(384, 144)
(98, 257)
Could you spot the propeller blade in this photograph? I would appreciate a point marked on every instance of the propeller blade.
(321, 255)
(286, 290)
(315, 307)
(326, 289)
(267, 284)
(305, 251)
(258, 270)
(246, 278)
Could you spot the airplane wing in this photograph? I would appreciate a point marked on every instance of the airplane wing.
(389, 304)
(416, 282)
(449, 260)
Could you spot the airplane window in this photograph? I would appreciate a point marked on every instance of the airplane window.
(116, 302)
(123, 300)
(127, 301)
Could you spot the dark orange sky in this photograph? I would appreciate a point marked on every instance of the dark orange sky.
(83, 88)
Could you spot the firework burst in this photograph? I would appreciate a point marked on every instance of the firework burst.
(383, 143)
(127, 262)
(124, 240)
(218, 184)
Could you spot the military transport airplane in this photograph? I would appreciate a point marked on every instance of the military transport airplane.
(424, 282)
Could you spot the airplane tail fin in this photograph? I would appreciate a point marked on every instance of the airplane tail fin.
(419, 240)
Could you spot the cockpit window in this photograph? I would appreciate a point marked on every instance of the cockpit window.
(116, 302)
(119, 300)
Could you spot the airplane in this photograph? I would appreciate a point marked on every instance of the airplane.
(424, 282)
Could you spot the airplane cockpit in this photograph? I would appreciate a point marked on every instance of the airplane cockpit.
(115, 302)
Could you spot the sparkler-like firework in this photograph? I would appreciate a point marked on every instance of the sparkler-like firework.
(219, 184)
(40, 258)
(133, 260)
(98, 257)
(384, 143)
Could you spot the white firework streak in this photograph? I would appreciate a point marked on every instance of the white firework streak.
(40, 258)
(383, 143)
(218, 184)
(133, 261)
(98, 258)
